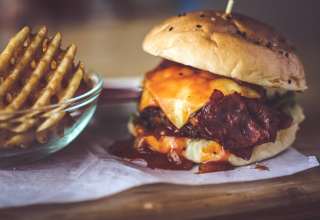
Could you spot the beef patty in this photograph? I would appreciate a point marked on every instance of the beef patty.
(237, 123)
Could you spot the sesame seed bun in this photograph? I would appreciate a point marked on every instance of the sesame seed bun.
(234, 46)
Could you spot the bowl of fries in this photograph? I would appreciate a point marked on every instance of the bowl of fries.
(46, 98)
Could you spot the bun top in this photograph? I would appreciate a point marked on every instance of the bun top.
(233, 45)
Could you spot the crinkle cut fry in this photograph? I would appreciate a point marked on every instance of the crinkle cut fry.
(56, 115)
(23, 139)
(39, 123)
(25, 60)
(49, 90)
(36, 75)
(19, 140)
(13, 44)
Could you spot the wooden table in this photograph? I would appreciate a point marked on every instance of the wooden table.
(292, 197)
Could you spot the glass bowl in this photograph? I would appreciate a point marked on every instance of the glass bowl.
(32, 134)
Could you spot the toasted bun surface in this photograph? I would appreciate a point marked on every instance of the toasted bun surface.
(234, 46)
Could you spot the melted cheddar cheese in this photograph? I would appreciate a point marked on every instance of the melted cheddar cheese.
(202, 151)
(165, 144)
(196, 150)
(180, 91)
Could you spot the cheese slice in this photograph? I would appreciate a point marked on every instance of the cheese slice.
(202, 151)
(196, 150)
(180, 91)
(165, 144)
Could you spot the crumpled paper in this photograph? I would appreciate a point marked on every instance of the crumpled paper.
(86, 171)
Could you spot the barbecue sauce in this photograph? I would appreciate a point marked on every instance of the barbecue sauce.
(154, 160)
(261, 167)
(215, 167)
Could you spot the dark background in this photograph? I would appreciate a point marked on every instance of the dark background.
(109, 32)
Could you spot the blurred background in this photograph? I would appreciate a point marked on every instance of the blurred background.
(109, 33)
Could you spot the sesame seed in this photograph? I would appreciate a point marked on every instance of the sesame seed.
(241, 33)
(181, 14)
(269, 45)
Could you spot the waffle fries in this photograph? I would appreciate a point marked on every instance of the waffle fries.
(35, 75)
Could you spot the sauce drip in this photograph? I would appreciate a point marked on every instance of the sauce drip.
(154, 160)
(215, 167)
(124, 149)
(261, 167)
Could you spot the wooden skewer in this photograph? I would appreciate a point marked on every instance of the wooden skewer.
(229, 7)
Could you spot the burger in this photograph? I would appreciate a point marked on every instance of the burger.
(223, 94)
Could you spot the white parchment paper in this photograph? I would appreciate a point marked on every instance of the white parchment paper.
(84, 172)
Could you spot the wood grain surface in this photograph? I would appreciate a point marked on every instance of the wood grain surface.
(292, 197)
